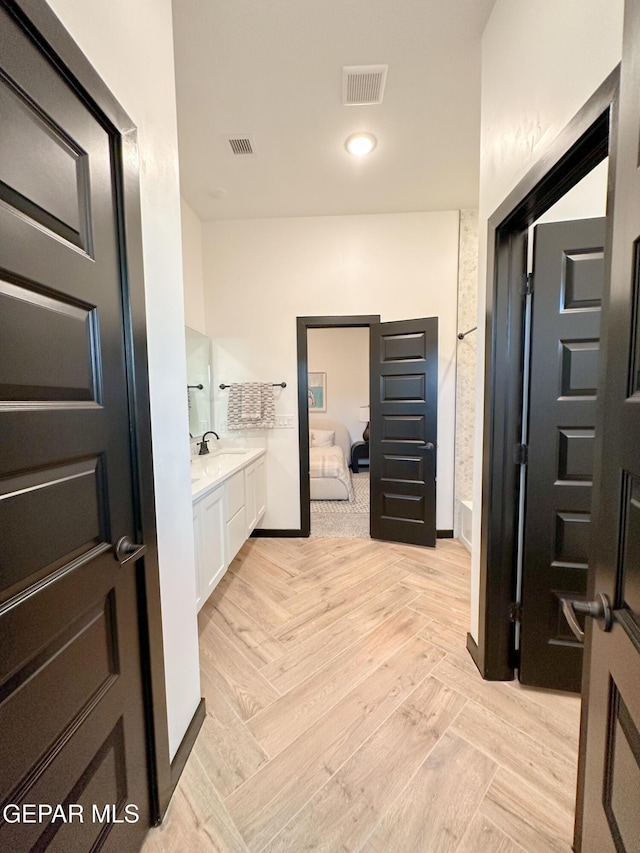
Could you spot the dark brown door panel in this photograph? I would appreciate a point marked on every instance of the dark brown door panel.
(607, 813)
(568, 270)
(72, 708)
(403, 430)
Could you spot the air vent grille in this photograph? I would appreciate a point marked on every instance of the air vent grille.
(241, 146)
(363, 84)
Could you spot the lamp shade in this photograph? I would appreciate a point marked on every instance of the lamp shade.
(363, 414)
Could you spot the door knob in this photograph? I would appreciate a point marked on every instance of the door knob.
(430, 446)
(127, 551)
(598, 609)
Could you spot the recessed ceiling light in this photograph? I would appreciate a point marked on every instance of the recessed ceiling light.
(360, 144)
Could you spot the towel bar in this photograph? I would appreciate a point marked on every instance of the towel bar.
(463, 335)
(275, 385)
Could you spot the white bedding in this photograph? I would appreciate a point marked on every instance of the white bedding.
(330, 463)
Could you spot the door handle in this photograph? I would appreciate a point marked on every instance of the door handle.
(598, 609)
(429, 446)
(127, 551)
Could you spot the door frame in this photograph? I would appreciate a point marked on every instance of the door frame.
(41, 23)
(358, 321)
(586, 141)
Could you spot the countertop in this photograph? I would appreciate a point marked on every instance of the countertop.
(211, 470)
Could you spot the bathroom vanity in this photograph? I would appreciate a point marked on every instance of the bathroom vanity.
(228, 489)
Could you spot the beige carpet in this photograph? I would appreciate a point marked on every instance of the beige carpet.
(344, 518)
(360, 505)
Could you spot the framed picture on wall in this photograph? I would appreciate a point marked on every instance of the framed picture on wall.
(317, 392)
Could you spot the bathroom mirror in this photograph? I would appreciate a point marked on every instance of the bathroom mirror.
(198, 382)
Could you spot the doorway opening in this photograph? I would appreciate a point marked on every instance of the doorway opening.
(563, 307)
(541, 360)
(338, 391)
(403, 417)
(322, 341)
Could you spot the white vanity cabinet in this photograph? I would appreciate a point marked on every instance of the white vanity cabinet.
(236, 514)
(255, 488)
(209, 532)
(250, 497)
(197, 527)
(229, 499)
(261, 488)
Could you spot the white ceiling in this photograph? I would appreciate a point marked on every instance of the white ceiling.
(273, 69)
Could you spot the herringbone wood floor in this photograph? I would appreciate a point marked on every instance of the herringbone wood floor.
(344, 714)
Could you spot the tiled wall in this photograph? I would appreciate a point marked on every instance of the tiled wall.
(466, 364)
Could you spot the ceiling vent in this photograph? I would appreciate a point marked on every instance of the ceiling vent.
(241, 145)
(363, 84)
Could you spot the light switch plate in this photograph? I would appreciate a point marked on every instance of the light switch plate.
(285, 421)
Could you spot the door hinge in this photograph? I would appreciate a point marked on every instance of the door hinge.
(515, 611)
(528, 284)
(521, 454)
(514, 658)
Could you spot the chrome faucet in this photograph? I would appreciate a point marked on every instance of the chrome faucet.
(204, 444)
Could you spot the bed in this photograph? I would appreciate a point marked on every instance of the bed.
(330, 477)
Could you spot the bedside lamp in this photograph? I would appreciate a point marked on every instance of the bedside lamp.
(363, 417)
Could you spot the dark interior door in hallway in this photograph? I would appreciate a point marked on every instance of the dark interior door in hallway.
(403, 430)
(608, 817)
(568, 281)
(71, 693)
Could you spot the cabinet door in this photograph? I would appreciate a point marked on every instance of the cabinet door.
(197, 542)
(236, 534)
(250, 497)
(212, 563)
(260, 488)
(234, 488)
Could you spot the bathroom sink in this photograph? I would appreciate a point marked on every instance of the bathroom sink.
(216, 464)
(228, 455)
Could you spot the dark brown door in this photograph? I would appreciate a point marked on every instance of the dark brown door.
(568, 280)
(403, 430)
(71, 695)
(608, 811)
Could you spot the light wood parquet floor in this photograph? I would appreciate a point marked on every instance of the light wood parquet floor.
(345, 714)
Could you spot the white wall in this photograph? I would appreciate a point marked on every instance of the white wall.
(343, 354)
(540, 63)
(585, 200)
(261, 274)
(192, 268)
(131, 47)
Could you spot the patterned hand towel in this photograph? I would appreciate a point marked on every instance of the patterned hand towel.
(268, 415)
(266, 412)
(251, 406)
(234, 406)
